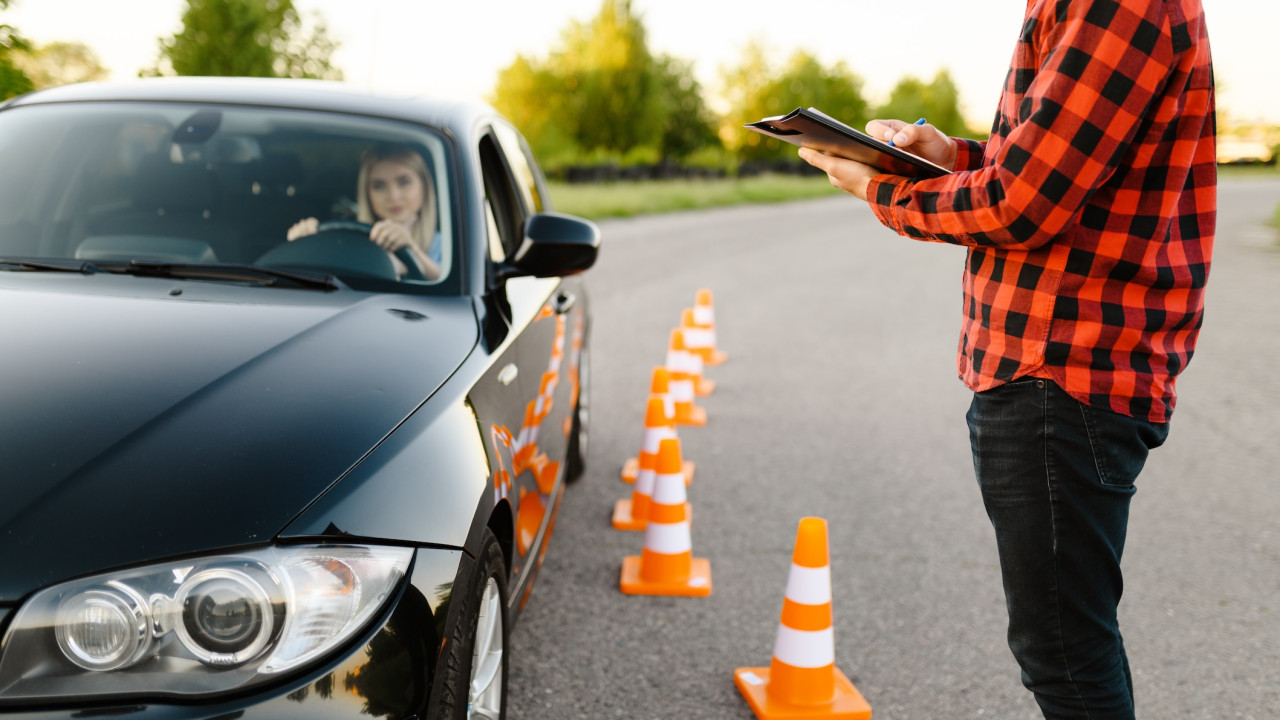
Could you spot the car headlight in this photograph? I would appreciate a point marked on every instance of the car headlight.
(198, 626)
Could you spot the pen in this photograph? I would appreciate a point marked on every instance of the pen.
(918, 122)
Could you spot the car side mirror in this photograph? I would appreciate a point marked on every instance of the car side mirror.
(554, 245)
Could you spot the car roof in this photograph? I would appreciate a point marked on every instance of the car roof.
(457, 117)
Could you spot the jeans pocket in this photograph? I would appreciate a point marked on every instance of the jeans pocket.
(1119, 445)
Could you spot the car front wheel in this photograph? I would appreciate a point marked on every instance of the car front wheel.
(475, 683)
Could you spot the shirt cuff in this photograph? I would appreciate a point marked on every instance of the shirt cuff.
(882, 193)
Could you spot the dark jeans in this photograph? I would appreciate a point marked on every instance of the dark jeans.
(1056, 478)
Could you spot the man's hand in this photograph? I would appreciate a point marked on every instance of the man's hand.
(926, 141)
(850, 176)
(853, 177)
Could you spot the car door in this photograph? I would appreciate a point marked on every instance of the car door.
(530, 444)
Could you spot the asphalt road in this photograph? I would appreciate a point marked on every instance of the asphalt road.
(840, 400)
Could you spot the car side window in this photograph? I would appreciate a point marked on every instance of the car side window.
(522, 166)
(496, 251)
(501, 200)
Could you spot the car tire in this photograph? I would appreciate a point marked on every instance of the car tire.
(475, 666)
(579, 431)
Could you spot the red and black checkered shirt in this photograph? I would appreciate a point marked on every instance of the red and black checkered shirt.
(1089, 213)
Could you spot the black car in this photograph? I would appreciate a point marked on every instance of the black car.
(292, 378)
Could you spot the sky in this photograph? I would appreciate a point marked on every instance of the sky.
(456, 48)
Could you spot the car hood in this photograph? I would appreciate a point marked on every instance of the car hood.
(138, 427)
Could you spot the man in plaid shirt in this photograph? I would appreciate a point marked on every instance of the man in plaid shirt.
(1089, 217)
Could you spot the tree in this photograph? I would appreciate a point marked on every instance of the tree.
(688, 125)
(533, 97)
(13, 81)
(601, 95)
(613, 101)
(61, 63)
(939, 101)
(247, 38)
(755, 90)
(744, 88)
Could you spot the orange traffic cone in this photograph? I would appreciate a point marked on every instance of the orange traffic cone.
(704, 318)
(682, 382)
(658, 424)
(633, 513)
(692, 336)
(700, 342)
(802, 680)
(666, 565)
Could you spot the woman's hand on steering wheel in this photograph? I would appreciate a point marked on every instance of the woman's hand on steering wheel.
(390, 235)
(303, 228)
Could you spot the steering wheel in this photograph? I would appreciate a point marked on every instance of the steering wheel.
(343, 250)
(413, 269)
(341, 247)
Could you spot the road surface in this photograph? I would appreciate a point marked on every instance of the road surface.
(840, 400)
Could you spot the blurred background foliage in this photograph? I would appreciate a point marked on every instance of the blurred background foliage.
(13, 81)
(598, 98)
(601, 97)
(247, 38)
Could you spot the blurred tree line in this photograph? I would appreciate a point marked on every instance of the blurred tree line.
(248, 38)
(602, 97)
(13, 81)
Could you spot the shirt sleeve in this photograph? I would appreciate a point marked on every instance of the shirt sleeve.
(969, 153)
(1099, 65)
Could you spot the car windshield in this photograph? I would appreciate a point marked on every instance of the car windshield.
(169, 185)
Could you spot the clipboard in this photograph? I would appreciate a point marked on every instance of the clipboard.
(812, 127)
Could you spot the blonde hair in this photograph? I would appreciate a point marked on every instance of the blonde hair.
(424, 230)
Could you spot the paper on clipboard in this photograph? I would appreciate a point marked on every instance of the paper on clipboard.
(813, 128)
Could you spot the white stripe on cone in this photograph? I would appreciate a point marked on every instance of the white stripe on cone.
(645, 481)
(805, 648)
(809, 586)
(704, 315)
(680, 361)
(669, 538)
(669, 490)
(697, 338)
(681, 390)
(653, 437)
(695, 364)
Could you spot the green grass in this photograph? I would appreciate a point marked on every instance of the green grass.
(625, 199)
(1249, 171)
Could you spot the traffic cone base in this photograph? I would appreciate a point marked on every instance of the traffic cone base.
(703, 387)
(623, 520)
(698, 584)
(691, 415)
(717, 357)
(848, 703)
(631, 468)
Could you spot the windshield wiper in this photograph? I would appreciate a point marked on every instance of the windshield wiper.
(51, 265)
(231, 273)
